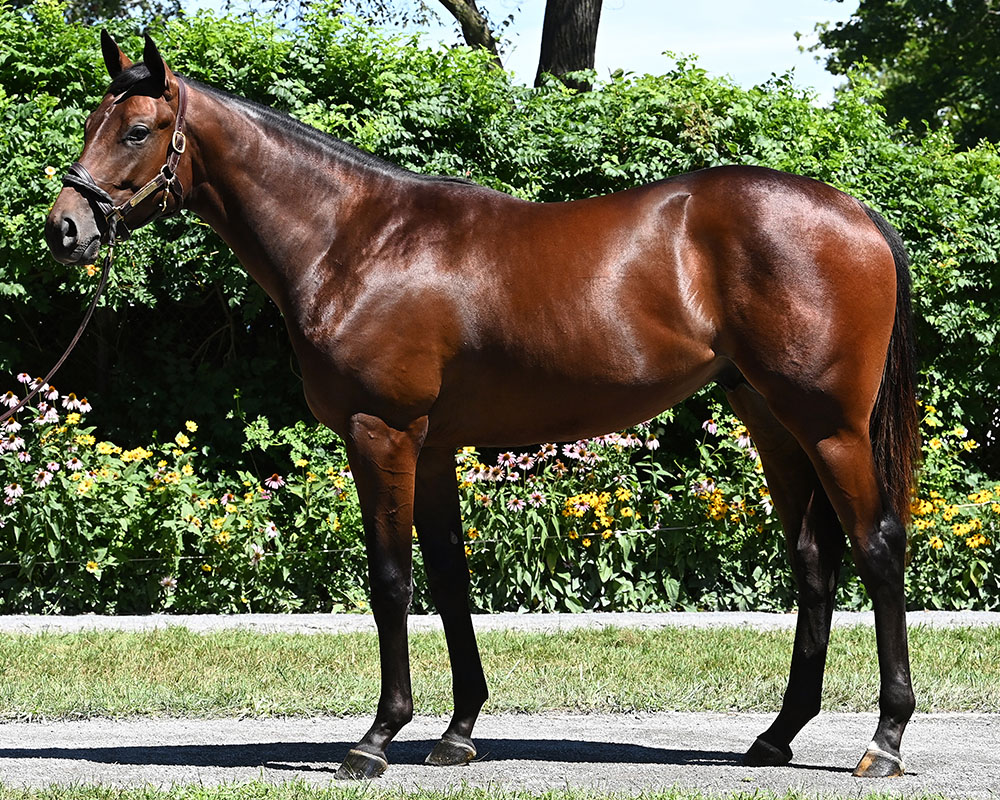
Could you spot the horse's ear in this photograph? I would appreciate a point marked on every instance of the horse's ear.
(114, 59)
(154, 62)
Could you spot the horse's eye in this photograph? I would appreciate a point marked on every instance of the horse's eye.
(137, 134)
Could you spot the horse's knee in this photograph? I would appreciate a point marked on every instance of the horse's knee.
(390, 595)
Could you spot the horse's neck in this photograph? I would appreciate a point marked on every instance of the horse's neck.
(284, 205)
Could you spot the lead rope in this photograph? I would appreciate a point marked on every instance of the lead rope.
(105, 271)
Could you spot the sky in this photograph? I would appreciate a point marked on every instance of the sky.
(749, 40)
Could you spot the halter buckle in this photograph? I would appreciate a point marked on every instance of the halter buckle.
(178, 142)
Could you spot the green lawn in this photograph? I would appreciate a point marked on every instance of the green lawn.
(176, 672)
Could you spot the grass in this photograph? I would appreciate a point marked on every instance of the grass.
(300, 791)
(237, 673)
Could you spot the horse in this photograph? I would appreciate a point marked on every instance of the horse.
(430, 313)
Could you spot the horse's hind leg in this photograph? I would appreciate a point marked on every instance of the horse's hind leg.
(439, 528)
(878, 544)
(815, 544)
(833, 431)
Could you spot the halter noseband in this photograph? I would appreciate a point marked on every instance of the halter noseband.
(116, 216)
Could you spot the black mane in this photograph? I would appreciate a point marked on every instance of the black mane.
(130, 81)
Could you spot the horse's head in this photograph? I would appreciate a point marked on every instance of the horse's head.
(127, 173)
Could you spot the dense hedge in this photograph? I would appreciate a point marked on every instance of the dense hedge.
(183, 326)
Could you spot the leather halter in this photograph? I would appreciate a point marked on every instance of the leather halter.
(117, 216)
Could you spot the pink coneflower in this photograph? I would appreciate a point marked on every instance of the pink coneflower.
(52, 466)
(50, 393)
(24, 456)
(265, 494)
(85, 406)
(559, 468)
(43, 477)
(506, 459)
(575, 450)
(71, 402)
(10, 400)
(13, 490)
(23, 377)
(652, 443)
(226, 499)
(536, 499)
(524, 462)
(743, 441)
(271, 530)
(703, 487)
(74, 464)
(12, 442)
(710, 426)
(546, 451)
(50, 417)
(631, 440)
(516, 504)
(256, 554)
(495, 474)
(275, 481)
(11, 426)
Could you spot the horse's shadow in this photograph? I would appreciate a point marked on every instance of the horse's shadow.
(325, 757)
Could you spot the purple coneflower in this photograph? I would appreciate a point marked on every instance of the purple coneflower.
(13, 490)
(652, 443)
(275, 481)
(85, 406)
(256, 554)
(43, 477)
(710, 426)
(10, 399)
(24, 456)
(23, 377)
(74, 464)
(525, 462)
(71, 402)
(506, 459)
(536, 499)
(516, 504)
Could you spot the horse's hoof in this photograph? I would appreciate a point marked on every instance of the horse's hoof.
(451, 751)
(360, 765)
(765, 754)
(877, 763)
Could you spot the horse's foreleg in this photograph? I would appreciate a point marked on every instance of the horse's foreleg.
(439, 528)
(383, 460)
(815, 543)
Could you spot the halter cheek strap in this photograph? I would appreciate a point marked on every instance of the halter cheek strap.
(116, 216)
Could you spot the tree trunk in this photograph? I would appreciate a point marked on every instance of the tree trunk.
(569, 38)
(475, 29)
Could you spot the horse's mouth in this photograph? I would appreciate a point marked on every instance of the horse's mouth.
(82, 253)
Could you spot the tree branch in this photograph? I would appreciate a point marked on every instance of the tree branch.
(475, 29)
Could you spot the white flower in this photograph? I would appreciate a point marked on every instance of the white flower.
(168, 582)
(256, 554)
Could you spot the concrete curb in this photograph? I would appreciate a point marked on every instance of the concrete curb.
(540, 623)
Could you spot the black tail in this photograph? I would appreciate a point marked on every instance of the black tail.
(894, 427)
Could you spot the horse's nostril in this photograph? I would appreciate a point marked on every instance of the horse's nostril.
(68, 230)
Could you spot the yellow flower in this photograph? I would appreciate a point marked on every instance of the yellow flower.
(970, 445)
(231, 508)
(302, 462)
(935, 542)
(73, 418)
(136, 454)
(191, 426)
(206, 567)
(222, 537)
(627, 512)
(606, 535)
(85, 440)
(50, 173)
(106, 448)
(468, 550)
(218, 522)
(586, 542)
(182, 440)
(473, 533)
(161, 463)
(93, 566)
(623, 494)
(188, 470)
(573, 535)
(935, 443)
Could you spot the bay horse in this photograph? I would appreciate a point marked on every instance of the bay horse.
(429, 313)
